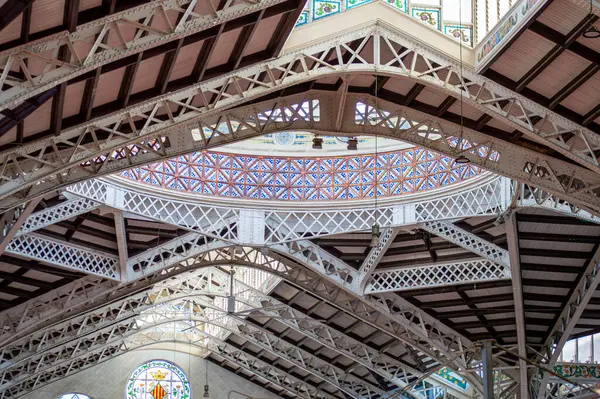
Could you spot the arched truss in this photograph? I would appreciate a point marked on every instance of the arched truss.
(162, 127)
(395, 317)
(328, 278)
(87, 335)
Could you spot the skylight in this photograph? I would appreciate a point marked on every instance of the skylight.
(478, 16)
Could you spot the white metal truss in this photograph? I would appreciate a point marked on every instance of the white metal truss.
(375, 254)
(397, 318)
(436, 275)
(454, 234)
(72, 338)
(533, 197)
(144, 337)
(65, 255)
(63, 211)
(487, 197)
(562, 330)
(42, 168)
(135, 29)
(12, 221)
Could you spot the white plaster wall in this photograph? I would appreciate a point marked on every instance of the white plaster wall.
(107, 380)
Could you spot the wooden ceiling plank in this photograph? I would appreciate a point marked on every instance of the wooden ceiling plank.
(17, 278)
(127, 82)
(559, 237)
(562, 43)
(569, 41)
(11, 10)
(413, 94)
(573, 85)
(287, 23)
(89, 94)
(445, 106)
(243, 40)
(37, 266)
(166, 69)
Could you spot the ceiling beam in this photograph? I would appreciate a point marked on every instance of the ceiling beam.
(573, 85)
(562, 43)
(243, 41)
(413, 94)
(551, 219)
(554, 253)
(11, 9)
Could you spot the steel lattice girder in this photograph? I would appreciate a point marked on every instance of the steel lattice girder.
(394, 316)
(562, 330)
(80, 336)
(529, 196)
(134, 29)
(118, 346)
(63, 211)
(484, 196)
(454, 234)
(64, 255)
(391, 121)
(40, 166)
(436, 275)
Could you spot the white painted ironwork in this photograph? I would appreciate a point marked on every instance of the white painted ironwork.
(389, 55)
(64, 255)
(291, 224)
(533, 197)
(562, 330)
(187, 214)
(454, 234)
(436, 275)
(74, 337)
(12, 221)
(63, 211)
(135, 29)
(397, 318)
(375, 254)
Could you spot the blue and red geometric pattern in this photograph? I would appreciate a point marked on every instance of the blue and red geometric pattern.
(326, 178)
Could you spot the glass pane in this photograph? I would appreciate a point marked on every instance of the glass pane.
(158, 379)
(584, 349)
(569, 354)
(74, 396)
(451, 11)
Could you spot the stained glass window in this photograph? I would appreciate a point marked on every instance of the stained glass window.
(73, 396)
(158, 379)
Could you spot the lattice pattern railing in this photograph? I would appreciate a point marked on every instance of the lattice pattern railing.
(435, 276)
(469, 241)
(63, 211)
(291, 225)
(69, 256)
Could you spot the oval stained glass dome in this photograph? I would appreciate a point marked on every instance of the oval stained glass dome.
(305, 178)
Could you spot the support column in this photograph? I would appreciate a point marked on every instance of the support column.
(515, 264)
(488, 370)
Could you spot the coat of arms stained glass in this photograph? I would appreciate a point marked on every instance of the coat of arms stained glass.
(158, 379)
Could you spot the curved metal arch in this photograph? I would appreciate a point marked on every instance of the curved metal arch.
(253, 82)
(121, 346)
(397, 318)
(54, 356)
(385, 119)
